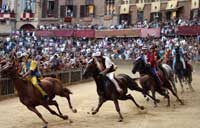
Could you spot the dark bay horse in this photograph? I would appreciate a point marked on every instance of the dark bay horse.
(31, 97)
(148, 82)
(183, 74)
(107, 91)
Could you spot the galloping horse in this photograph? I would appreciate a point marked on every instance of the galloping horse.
(107, 91)
(182, 73)
(169, 74)
(31, 97)
(149, 83)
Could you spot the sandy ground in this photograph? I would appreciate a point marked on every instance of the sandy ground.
(15, 115)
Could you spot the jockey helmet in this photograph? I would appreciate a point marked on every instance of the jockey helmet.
(96, 54)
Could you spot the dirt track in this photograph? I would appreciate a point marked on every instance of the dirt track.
(15, 115)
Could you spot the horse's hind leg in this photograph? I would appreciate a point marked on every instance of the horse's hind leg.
(173, 84)
(129, 96)
(33, 109)
(118, 109)
(54, 113)
(170, 88)
(154, 95)
(190, 82)
(66, 94)
(101, 101)
(181, 83)
(55, 104)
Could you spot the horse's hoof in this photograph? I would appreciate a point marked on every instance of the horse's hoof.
(45, 126)
(168, 105)
(74, 110)
(142, 107)
(65, 117)
(158, 101)
(147, 99)
(94, 112)
(120, 120)
(70, 121)
(92, 109)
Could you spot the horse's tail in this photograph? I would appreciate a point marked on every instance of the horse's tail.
(132, 84)
(66, 90)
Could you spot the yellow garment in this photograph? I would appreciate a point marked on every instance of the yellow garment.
(34, 81)
(33, 65)
(33, 78)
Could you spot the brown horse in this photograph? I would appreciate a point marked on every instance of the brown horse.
(148, 82)
(31, 97)
(107, 91)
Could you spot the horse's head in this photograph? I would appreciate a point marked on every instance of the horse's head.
(138, 66)
(9, 69)
(91, 68)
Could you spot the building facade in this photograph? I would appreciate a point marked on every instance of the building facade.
(28, 14)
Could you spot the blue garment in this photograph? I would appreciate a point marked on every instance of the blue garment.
(153, 72)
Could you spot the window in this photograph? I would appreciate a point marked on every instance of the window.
(140, 15)
(50, 8)
(69, 2)
(67, 11)
(89, 2)
(87, 10)
(109, 7)
(125, 1)
(28, 6)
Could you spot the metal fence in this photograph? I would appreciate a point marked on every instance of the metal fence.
(67, 77)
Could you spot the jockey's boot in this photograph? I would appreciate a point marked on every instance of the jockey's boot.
(120, 90)
(45, 97)
(117, 86)
(44, 94)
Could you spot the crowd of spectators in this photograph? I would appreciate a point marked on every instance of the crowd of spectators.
(66, 53)
(70, 52)
(168, 25)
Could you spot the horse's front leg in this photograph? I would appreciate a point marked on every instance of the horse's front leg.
(33, 109)
(154, 95)
(101, 101)
(181, 83)
(117, 108)
(70, 104)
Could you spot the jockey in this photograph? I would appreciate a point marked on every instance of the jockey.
(107, 67)
(167, 55)
(31, 70)
(152, 59)
(179, 50)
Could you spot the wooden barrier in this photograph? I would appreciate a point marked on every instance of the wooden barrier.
(67, 77)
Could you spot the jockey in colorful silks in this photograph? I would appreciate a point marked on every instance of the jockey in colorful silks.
(181, 52)
(107, 67)
(31, 70)
(149, 58)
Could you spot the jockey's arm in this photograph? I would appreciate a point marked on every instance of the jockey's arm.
(27, 74)
(33, 66)
(108, 64)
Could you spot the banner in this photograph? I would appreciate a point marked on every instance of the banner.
(146, 32)
(44, 33)
(195, 4)
(188, 30)
(155, 7)
(63, 33)
(172, 4)
(84, 33)
(124, 9)
(140, 6)
(118, 33)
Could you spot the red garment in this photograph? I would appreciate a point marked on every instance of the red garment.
(151, 59)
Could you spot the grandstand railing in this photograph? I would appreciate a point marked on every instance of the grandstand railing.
(67, 77)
